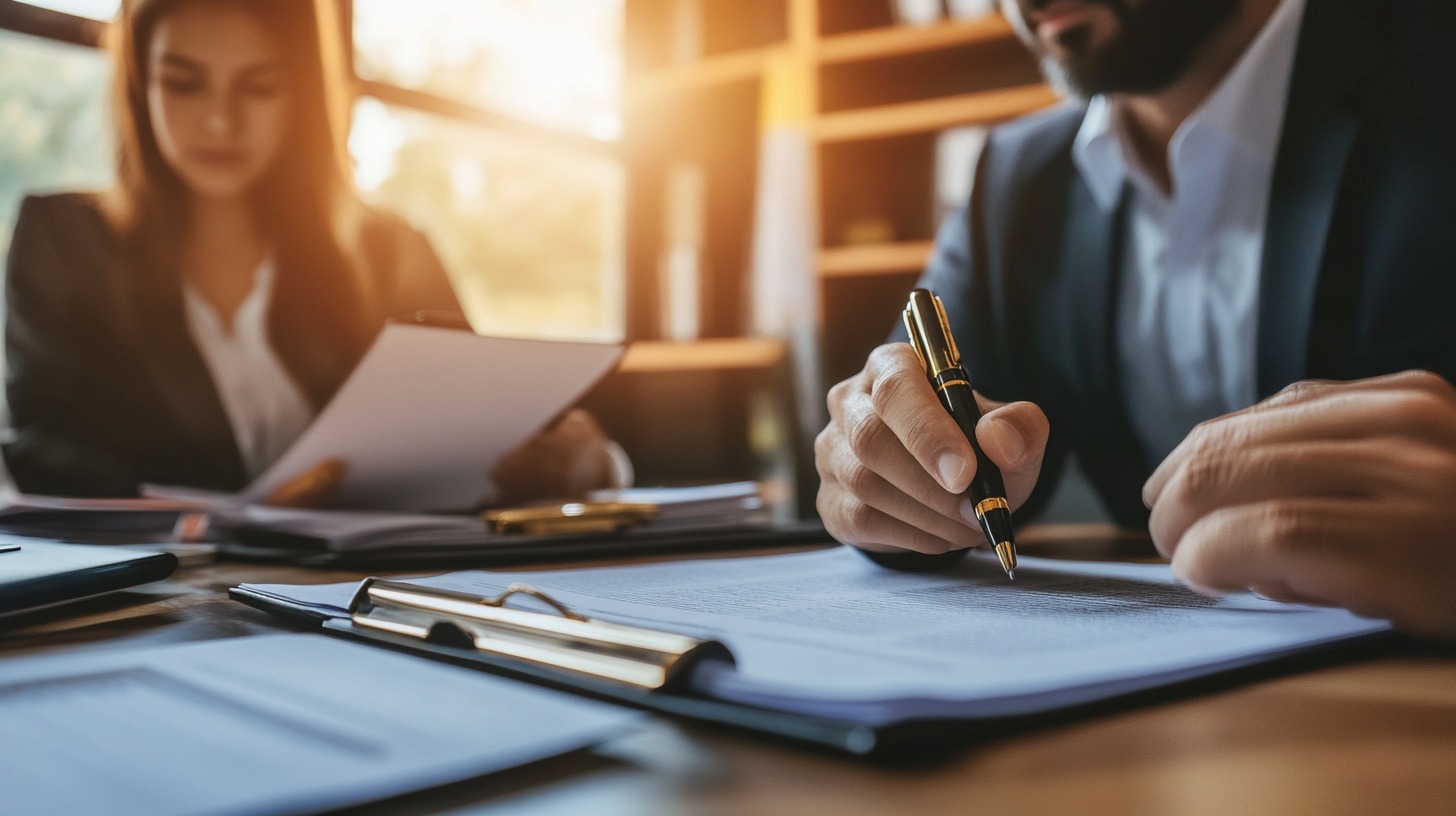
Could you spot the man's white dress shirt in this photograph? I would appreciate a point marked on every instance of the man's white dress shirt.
(1189, 291)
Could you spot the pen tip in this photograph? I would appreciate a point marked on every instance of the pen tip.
(1011, 574)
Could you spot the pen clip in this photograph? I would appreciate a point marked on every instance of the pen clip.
(930, 333)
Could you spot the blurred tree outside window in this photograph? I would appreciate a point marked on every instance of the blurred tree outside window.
(53, 117)
(532, 237)
(532, 230)
(533, 233)
(550, 62)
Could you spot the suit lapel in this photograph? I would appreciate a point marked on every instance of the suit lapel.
(180, 379)
(1092, 238)
(1321, 127)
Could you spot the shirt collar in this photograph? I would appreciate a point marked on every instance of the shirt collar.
(1245, 113)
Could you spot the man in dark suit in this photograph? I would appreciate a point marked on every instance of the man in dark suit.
(1225, 280)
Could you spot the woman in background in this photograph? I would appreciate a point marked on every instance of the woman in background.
(185, 327)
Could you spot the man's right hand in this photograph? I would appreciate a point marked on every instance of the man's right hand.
(893, 465)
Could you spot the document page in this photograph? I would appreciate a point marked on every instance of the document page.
(281, 724)
(429, 411)
(831, 633)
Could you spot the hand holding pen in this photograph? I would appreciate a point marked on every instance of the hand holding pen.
(895, 466)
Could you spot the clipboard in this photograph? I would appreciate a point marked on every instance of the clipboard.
(556, 647)
(524, 634)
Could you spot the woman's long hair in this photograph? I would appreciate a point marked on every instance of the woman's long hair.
(305, 201)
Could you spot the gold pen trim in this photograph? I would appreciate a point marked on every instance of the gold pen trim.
(949, 383)
(987, 505)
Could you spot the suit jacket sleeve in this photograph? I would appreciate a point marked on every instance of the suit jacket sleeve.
(45, 454)
(409, 273)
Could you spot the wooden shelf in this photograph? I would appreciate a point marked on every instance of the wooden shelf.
(659, 356)
(889, 41)
(893, 41)
(934, 114)
(874, 259)
(732, 67)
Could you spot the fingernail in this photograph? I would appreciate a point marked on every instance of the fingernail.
(1006, 441)
(950, 467)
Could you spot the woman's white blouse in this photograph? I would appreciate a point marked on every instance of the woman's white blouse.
(266, 408)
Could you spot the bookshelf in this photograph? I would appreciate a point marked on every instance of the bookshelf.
(882, 96)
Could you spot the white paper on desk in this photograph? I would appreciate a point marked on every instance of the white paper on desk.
(832, 634)
(429, 411)
(264, 725)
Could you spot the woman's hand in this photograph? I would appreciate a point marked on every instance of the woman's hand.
(893, 465)
(564, 461)
(1339, 494)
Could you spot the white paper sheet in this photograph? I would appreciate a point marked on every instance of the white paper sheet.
(429, 411)
(831, 633)
(262, 725)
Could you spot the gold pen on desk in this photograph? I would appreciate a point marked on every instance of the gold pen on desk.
(931, 338)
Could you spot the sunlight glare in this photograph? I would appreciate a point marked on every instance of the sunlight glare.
(551, 62)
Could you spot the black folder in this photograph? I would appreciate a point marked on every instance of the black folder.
(35, 574)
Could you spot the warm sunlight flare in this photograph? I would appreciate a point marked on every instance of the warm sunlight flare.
(551, 62)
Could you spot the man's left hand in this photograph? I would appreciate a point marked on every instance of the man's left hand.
(1340, 494)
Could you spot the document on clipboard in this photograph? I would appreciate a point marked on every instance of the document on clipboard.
(827, 648)
(429, 411)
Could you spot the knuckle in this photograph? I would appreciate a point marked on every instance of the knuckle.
(1431, 381)
(886, 358)
(859, 518)
(858, 480)
(1300, 390)
(1201, 477)
(1204, 440)
(824, 444)
(920, 433)
(868, 436)
(1289, 530)
(888, 389)
(1427, 409)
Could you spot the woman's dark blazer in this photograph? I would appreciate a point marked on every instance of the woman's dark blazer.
(107, 389)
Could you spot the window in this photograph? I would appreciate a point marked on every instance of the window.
(553, 63)
(489, 124)
(92, 9)
(53, 115)
(532, 230)
(532, 236)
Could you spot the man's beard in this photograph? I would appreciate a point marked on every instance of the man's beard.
(1156, 42)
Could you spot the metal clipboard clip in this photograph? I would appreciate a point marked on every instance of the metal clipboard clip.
(560, 640)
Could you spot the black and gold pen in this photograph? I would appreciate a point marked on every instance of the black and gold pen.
(931, 338)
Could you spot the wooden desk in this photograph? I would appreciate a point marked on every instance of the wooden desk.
(1378, 736)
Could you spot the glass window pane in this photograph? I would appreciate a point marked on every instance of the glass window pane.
(532, 236)
(547, 61)
(95, 9)
(54, 115)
